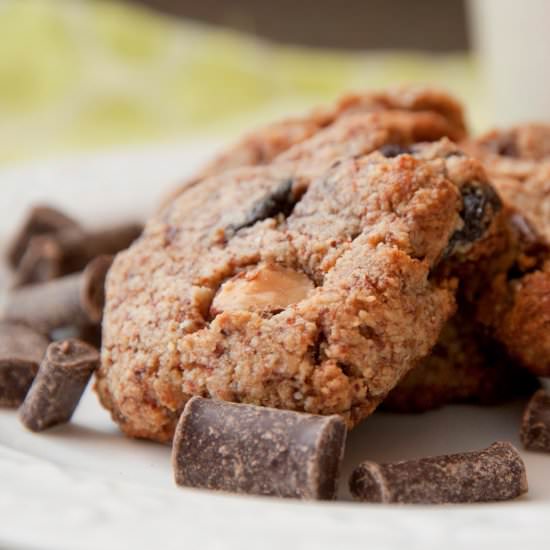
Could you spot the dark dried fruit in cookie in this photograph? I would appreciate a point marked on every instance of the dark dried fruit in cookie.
(394, 150)
(480, 204)
(280, 200)
(364, 238)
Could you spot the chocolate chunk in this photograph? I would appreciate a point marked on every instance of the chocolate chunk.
(479, 204)
(257, 450)
(41, 220)
(535, 427)
(280, 200)
(59, 384)
(391, 150)
(21, 350)
(495, 473)
(91, 334)
(71, 250)
(41, 262)
(68, 301)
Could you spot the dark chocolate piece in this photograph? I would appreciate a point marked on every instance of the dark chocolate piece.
(280, 200)
(535, 427)
(91, 334)
(68, 301)
(495, 473)
(59, 384)
(41, 262)
(41, 220)
(21, 350)
(257, 450)
(70, 251)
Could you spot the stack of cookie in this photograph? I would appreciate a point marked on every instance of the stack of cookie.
(366, 254)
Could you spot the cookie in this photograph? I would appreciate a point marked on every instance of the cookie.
(516, 308)
(310, 286)
(514, 302)
(265, 144)
(512, 297)
(465, 366)
(525, 142)
(393, 131)
(518, 161)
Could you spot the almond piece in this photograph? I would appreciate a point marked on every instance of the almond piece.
(267, 288)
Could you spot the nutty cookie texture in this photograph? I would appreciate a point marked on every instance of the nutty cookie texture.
(309, 286)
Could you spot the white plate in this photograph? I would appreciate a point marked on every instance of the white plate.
(83, 485)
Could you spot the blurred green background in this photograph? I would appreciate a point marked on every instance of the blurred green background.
(84, 74)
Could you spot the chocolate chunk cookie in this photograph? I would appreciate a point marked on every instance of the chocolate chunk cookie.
(312, 284)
